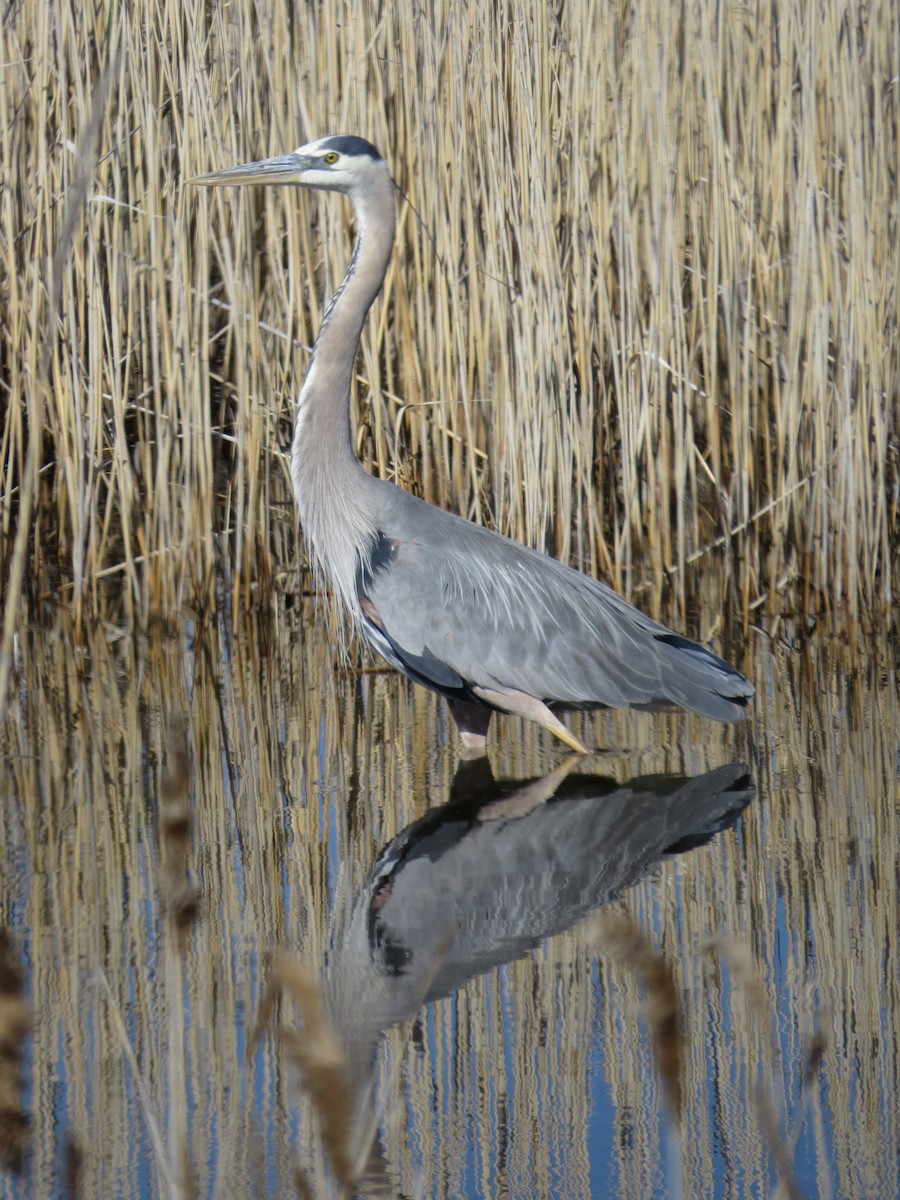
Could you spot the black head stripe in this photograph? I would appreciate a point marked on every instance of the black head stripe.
(349, 144)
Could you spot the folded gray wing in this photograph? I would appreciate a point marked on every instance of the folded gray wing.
(457, 602)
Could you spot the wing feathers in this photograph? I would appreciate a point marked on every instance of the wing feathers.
(461, 603)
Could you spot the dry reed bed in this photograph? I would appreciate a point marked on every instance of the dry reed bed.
(294, 786)
(647, 313)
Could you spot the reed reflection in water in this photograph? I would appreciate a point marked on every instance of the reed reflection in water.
(325, 818)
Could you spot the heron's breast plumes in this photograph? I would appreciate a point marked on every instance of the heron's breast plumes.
(337, 524)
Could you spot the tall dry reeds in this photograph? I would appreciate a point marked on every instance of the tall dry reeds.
(645, 313)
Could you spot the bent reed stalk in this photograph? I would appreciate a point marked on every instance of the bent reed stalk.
(646, 316)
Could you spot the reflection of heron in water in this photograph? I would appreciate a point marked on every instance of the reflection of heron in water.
(470, 614)
(487, 877)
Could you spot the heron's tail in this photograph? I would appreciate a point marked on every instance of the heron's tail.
(699, 680)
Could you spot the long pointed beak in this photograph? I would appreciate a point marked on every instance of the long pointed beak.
(286, 168)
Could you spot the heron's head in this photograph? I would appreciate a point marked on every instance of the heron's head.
(334, 164)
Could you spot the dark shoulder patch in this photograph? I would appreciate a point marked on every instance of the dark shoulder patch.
(350, 144)
(376, 560)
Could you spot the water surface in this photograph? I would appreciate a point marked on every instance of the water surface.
(478, 960)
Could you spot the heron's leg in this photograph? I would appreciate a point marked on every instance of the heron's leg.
(472, 721)
(523, 705)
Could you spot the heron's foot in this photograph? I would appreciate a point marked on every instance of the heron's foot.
(520, 704)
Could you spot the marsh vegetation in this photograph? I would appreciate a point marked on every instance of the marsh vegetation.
(643, 310)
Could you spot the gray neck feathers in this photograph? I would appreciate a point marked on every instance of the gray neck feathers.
(330, 485)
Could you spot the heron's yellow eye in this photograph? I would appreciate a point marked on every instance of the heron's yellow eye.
(331, 157)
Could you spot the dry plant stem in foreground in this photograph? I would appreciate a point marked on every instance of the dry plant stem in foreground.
(72, 1157)
(180, 898)
(615, 934)
(747, 976)
(16, 1020)
(179, 893)
(322, 1067)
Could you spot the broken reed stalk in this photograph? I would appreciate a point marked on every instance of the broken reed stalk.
(644, 318)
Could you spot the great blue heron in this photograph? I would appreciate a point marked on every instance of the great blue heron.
(486, 622)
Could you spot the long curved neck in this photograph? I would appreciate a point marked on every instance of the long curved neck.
(327, 477)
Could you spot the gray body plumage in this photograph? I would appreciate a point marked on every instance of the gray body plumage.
(459, 608)
(461, 605)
